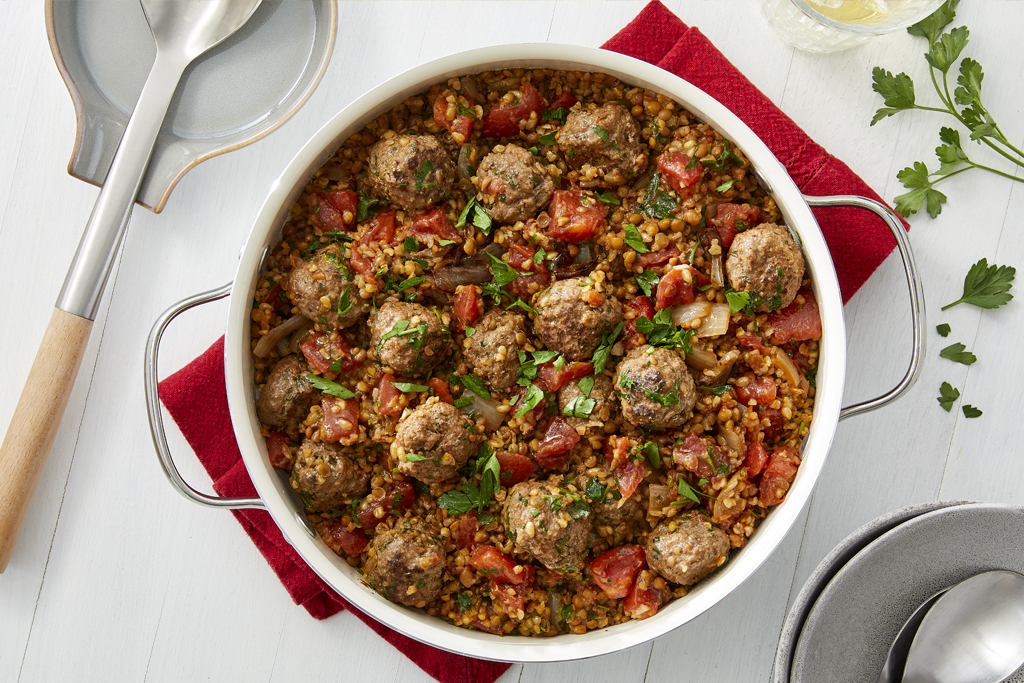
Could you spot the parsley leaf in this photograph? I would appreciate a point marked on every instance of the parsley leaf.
(684, 489)
(610, 198)
(364, 208)
(603, 134)
(464, 111)
(476, 215)
(970, 411)
(425, 169)
(633, 239)
(725, 186)
(647, 281)
(586, 385)
(409, 388)
(407, 283)
(329, 387)
(915, 179)
(946, 50)
(604, 350)
(345, 301)
(595, 490)
(737, 300)
(532, 399)
(503, 273)
(559, 114)
(476, 385)
(931, 26)
(653, 454)
(957, 354)
(656, 203)
(662, 332)
(948, 396)
(415, 457)
(986, 286)
(896, 91)
(579, 407)
(943, 329)
(547, 138)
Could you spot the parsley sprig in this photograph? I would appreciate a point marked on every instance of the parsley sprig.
(472, 496)
(897, 91)
(986, 286)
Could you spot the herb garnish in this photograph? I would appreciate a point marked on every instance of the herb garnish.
(476, 215)
(426, 168)
(475, 384)
(948, 396)
(944, 329)
(329, 387)
(634, 240)
(957, 354)
(345, 301)
(458, 502)
(559, 114)
(724, 187)
(657, 203)
(547, 138)
(647, 281)
(409, 388)
(604, 349)
(970, 411)
(653, 454)
(662, 332)
(986, 286)
(610, 198)
(603, 134)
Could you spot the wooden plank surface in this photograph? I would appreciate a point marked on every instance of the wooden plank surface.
(117, 578)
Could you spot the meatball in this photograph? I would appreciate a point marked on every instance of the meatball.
(287, 396)
(613, 519)
(689, 553)
(514, 185)
(410, 171)
(433, 442)
(325, 476)
(573, 316)
(483, 351)
(406, 564)
(575, 406)
(656, 390)
(540, 518)
(322, 290)
(408, 338)
(766, 260)
(606, 138)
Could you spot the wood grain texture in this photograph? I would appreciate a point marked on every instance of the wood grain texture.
(37, 417)
(179, 593)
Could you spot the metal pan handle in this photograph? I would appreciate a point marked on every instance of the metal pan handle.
(156, 421)
(917, 308)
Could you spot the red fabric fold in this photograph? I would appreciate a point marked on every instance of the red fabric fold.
(196, 397)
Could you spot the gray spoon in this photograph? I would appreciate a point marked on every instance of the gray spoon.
(973, 634)
(183, 30)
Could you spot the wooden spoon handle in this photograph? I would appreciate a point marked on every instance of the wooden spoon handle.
(35, 422)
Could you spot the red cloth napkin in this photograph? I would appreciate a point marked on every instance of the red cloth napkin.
(196, 399)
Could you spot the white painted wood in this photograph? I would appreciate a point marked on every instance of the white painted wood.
(117, 577)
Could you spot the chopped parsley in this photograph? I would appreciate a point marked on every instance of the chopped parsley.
(410, 244)
(634, 240)
(944, 329)
(662, 332)
(547, 138)
(580, 406)
(610, 198)
(329, 387)
(409, 388)
(657, 203)
(671, 400)
(647, 281)
(724, 187)
(948, 396)
(970, 411)
(345, 301)
(446, 243)
(415, 457)
(470, 497)
(464, 111)
(476, 215)
(559, 114)
(724, 160)
(684, 489)
(532, 399)
(604, 350)
(652, 453)
(958, 354)
(717, 391)
(410, 282)
(425, 169)
(603, 134)
(476, 385)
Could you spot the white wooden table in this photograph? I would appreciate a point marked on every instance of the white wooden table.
(118, 578)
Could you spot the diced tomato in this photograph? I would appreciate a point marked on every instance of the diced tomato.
(326, 216)
(616, 449)
(434, 222)
(273, 296)
(512, 597)
(388, 397)
(322, 350)
(559, 439)
(778, 474)
(496, 565)
(733, 218)
(352, 542)
(340, 418)
(440, 389)
(615, 570)
(400, 497)
(536, 412)
(629, 475)
(796, 322)
(465, 538)
(775, 422)
(692, 455)
(582, 216)
(277, 443)
(761, 390)
(514, 468)
(526, 286)
(681, 174)
(311, 350)
(461, 124)
(656, 258)
(632, 339)
(644, 599)
(552, 379)
(563, 99)
(381, 231)
(466, 307)
(502, 120)
(757, 458)
(674, 289)
(751, 341)
(333, 207)
(520, 257)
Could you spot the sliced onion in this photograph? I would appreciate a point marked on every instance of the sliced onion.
(716, 323)
(471, 89)
(659, 497)
(717, 277)
(505, 84)
(644, 180)
(448, 279)
(733, 440)
(487, 409)
(687, 313)
(789, 370)
(711, 212)
(267, 343)
(702, 359)
(463, 163)
(618, 349)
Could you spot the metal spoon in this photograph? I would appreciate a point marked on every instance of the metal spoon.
(183, 30)
(895, 661)
(973, 634)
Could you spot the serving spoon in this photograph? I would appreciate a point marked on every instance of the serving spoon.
(895, 661)
(973, 634)
(183, 30)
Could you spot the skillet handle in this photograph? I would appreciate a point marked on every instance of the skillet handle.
(156, 420)
(917, 307)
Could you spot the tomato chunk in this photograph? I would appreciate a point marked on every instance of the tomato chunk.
(644, 599)
(615, 570)
(656, 258)
(278, 446)
(644, 308)
(675, 287)
(692, 455)
(389, 398)
(796, 322)
(520, 392)
(322, 351)
(552, 379)
(352, 542)
(575, 217)
(496, 565)
(502, 120)
(629, 475)
(512, 597)
(775, 422)
(564, 99)
(526, 286)
(520, 257)
(761, 390)
(757, 458)
(381, 231)
(466, 536)
(462, 124)
(681, 174)
(340, 418)
(515, 468)
(434, 223)
(733, 218)
(466, 307)
(399, 497)
(778, 474)
(440, 389)
(559, 438)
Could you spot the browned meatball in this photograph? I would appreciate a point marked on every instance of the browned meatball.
(766, 260)
(573, 316)
(323, 291)
(326, 477)
(656, 390)
(483, 352)
(689, 553)
(406, 564)
(548, 522)
(287, 396)
(408, 338)
(606, 138)
(433, 442)
(587, 411)
(514, 185)
(410, 171)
